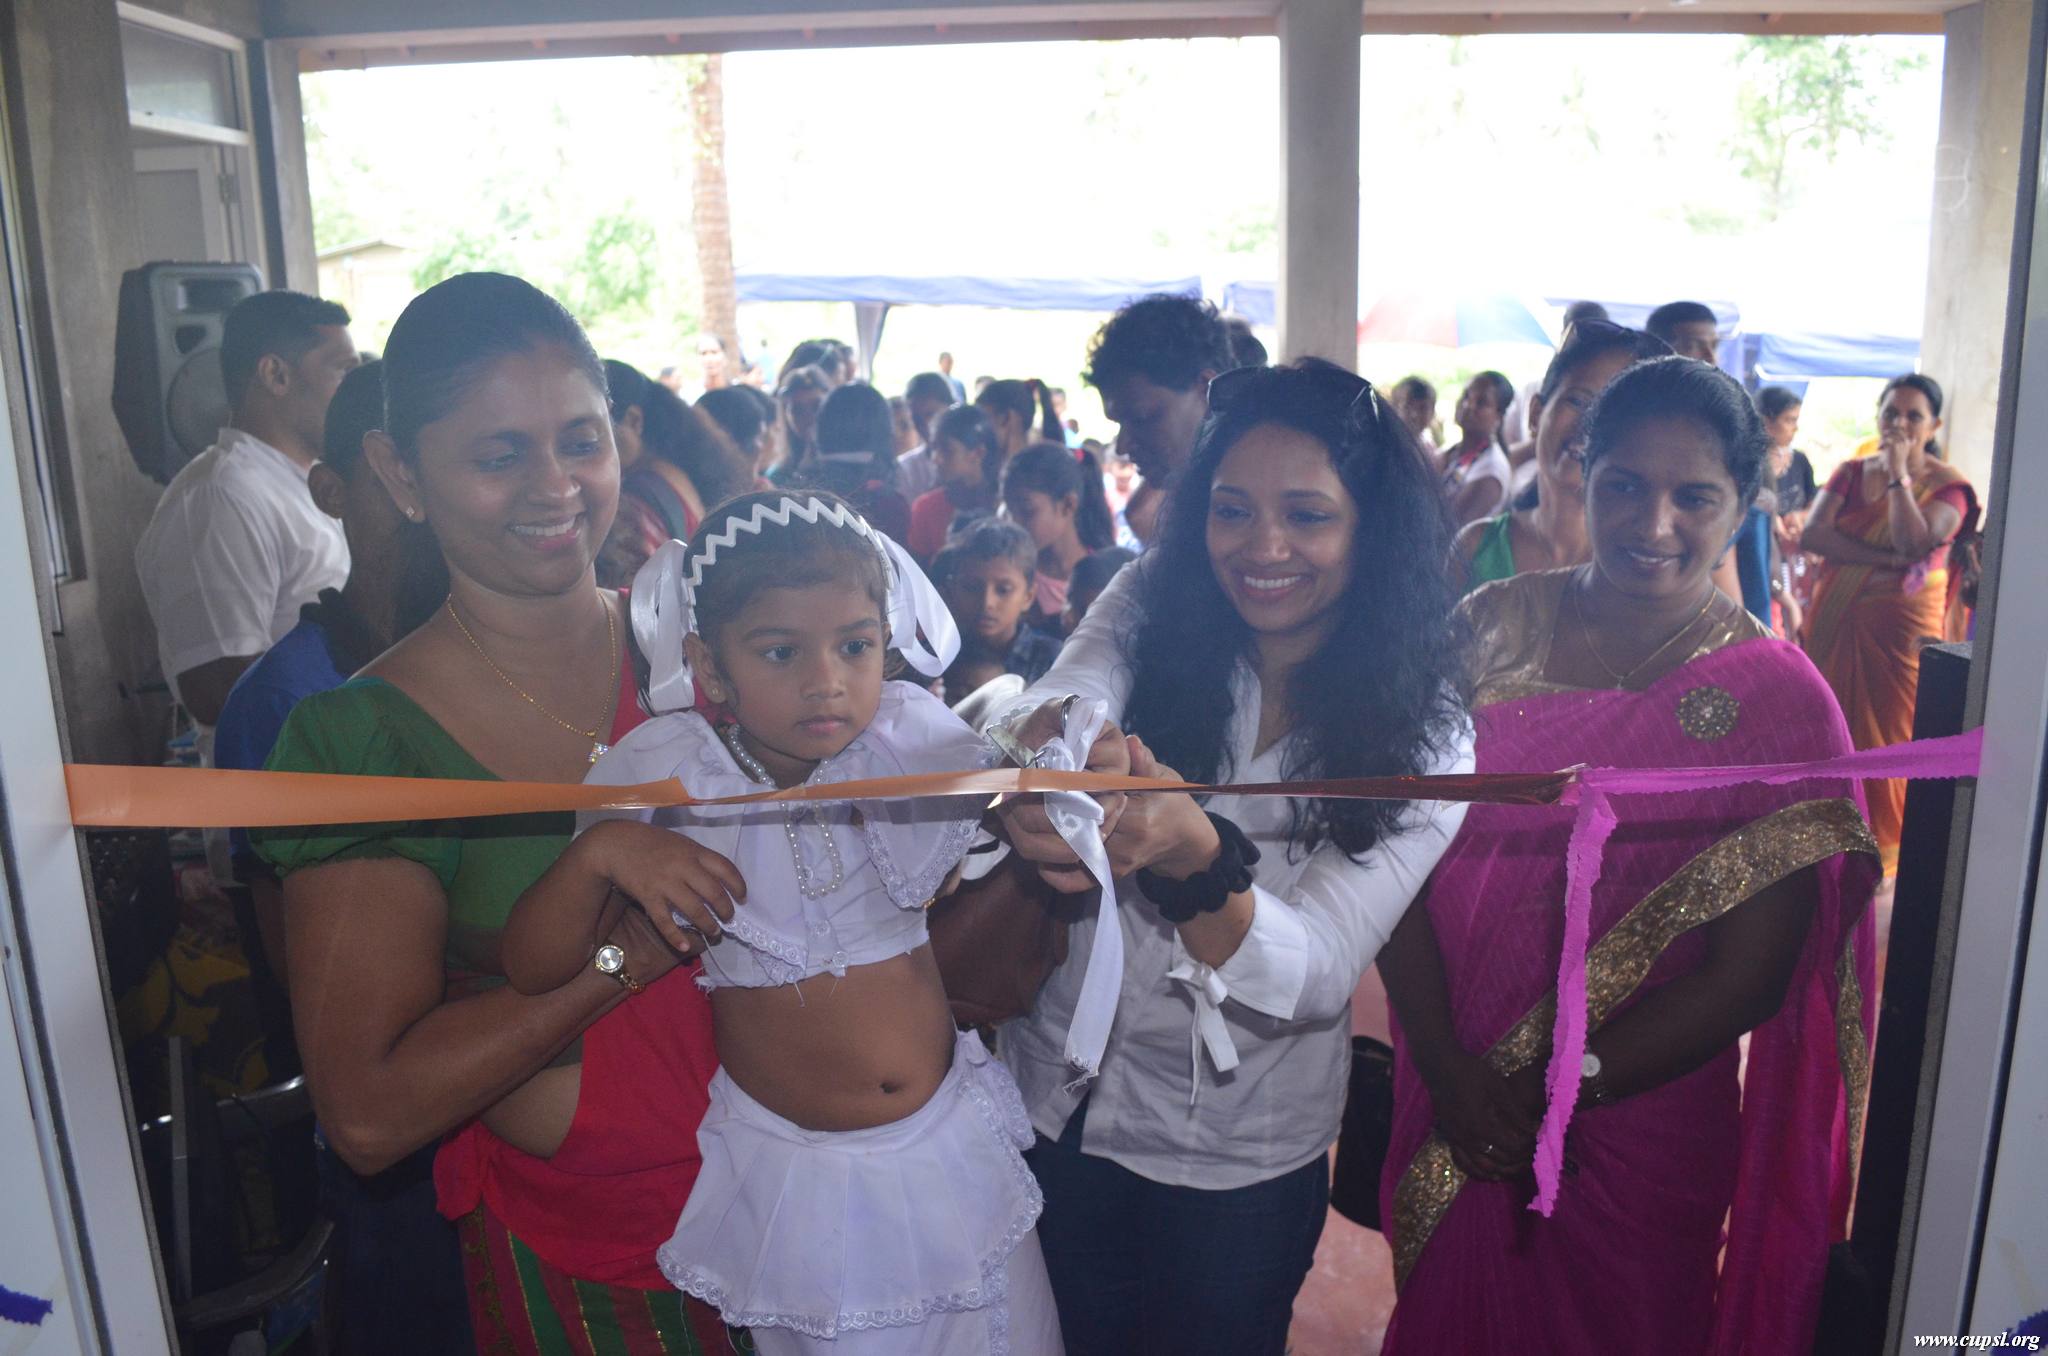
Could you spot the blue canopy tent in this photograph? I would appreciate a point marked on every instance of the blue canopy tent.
(1765, 351)
(1803, 355)
(1016, 294)
(872, 294)
(1257, 302)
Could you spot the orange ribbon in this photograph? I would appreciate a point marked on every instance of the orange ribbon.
(207, 798)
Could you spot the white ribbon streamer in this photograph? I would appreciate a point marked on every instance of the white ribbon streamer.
(661, 618)
(921, 627)
(915, 606)
(1077, 817)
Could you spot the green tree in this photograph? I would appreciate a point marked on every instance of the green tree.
(1807, 96)
(337, 170)
(463, 250)
(1252, 231)
(612, 273)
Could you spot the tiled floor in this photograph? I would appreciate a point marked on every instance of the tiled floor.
(1343, 1307)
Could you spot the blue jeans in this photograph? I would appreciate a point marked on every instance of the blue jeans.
(1139, 1267)
(396, 1274)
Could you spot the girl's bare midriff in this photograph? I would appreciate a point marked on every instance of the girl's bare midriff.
(840, 1053)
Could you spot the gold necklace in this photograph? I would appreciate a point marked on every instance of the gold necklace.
(598, 748)
(1622, 679)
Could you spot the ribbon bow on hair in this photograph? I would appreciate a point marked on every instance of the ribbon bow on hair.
(665, 597)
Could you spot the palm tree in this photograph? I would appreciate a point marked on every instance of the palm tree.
(711, 209)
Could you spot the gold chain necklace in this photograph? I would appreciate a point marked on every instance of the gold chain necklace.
(1622, 679)
(598, 748)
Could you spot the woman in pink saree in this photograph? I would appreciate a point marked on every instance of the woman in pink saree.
(1700, 1197)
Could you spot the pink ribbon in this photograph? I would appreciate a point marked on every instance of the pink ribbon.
(1924, 759)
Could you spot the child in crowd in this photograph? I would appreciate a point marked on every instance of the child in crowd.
(856, 457)
(1013, 406)
(966, 456)
(987, 575)
(1119, 473)
(863, 1189)
(1141, 514)
(1090, 578)
(1056, 495)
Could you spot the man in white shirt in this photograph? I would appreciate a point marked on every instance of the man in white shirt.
(237, 546)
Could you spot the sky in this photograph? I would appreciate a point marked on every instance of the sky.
(1535, 165)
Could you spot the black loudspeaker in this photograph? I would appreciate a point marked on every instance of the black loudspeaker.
(168, 394)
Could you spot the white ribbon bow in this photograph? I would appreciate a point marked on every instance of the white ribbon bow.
(1077, 818)
(1208, 990)
(664, 597)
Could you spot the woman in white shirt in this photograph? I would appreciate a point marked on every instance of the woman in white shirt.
(1475, 470)
(1294, 622)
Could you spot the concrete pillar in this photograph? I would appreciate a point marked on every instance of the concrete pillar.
(1976, 182)
(1319, 65)
(281, 151)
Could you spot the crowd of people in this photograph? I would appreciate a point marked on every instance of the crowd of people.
(693, 1080)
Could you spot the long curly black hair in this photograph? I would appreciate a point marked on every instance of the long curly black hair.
(1388, 689)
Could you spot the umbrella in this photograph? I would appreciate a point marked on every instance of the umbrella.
(1451, 321)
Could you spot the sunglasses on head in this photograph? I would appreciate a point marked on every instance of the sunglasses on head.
(1362, 403)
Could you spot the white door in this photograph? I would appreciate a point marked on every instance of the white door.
(78, 1270)
(189, 200)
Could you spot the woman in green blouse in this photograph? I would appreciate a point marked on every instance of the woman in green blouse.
(566, 1120)
(1547, 530)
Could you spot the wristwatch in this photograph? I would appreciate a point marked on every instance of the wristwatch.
(610, 961)
(1592, 1088)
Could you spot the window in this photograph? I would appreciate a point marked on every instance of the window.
(184, 82)
(174, 79)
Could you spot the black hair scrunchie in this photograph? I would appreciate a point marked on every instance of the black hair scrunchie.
(1210, 889)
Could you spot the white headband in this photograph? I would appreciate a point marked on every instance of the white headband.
(665, 597)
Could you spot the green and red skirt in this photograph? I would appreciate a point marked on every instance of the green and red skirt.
(521, 1306)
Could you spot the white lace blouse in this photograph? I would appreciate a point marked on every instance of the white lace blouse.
(888, 857)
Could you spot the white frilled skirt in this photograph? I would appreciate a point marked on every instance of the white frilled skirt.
(906, 1238)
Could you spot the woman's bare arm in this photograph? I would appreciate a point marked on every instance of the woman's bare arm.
(1752, 954)
(558, 921)
(1822, 538)
(1464, 550)
(1476, 500)
(392, 1063)
(1490, 1129)
(1916, 530)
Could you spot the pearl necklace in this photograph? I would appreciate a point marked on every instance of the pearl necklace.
(806, 883)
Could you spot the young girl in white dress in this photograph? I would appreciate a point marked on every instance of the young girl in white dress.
(862, 1188)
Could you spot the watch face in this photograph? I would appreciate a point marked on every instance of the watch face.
(610, 959)
(1589, 1067)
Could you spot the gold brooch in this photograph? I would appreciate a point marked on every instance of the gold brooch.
(1708, 713)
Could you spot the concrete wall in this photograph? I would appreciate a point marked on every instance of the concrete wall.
(75, 167)
(1976, 180)
(243, 18)
(281, 149)
(68, 114)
